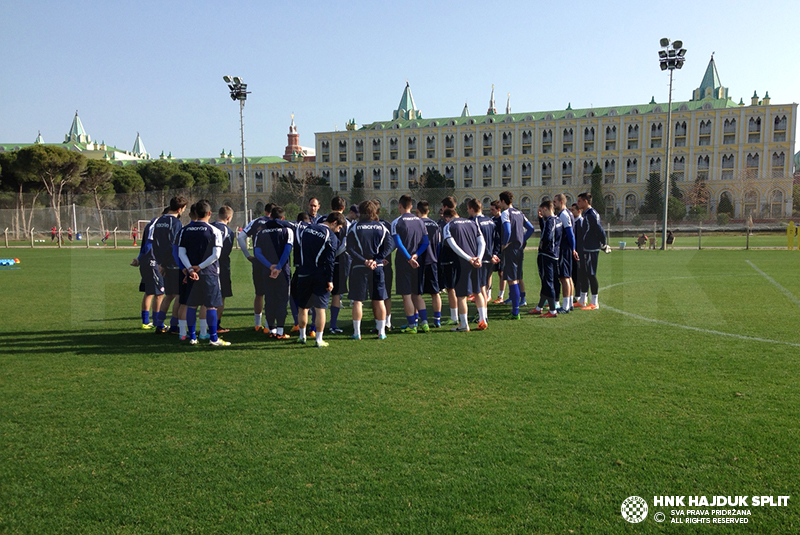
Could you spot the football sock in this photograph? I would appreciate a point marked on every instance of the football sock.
(191, 322)
(412, 320)
(513, 293)
(211, 324)
(303, 332)
(293, 307)
(594, 299)
(582, 300)
(145, 317)
(381, 326)
(388, 320)
(437, 317)
(257, 318)
(501, 294)
(159, 318)
(182, 327)
(173, 321)
(521, 297)
(334, 316)
(483, 314)
(463, 321)
(203, 326)
(567, 303)
(454, 314)
(319, 335)
(423, 315)
(280, 331)
(357, 327)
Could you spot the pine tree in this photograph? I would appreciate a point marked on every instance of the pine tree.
(598, 202)
(654, 195)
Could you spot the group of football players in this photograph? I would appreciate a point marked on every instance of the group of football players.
(350, 255)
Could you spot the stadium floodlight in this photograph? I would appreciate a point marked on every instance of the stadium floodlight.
(239, 92)
(669, 59)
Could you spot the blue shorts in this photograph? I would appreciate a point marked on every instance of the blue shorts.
(429, 281)
(589, 261)
(172, 281)
(259, 272)
(512, 263)
(367, 284)
(225, 284)
(152, 283)
(449, 274)
(565, 264)
(204, 292)
(407, 279)
(309, 291)
(468, 282)
(340, 270)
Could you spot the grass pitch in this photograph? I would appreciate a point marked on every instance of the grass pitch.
(684, 383)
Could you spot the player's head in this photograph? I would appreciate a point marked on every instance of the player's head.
(178, 204)
(405, 203)
(335, 221)
(337, 204)
(584, 200)
(268, 208)
(202, 209)
(506, 198)
(193, 212)
(449, 202)
(546, 208)
(303, 217)
(225, 213)
(559, 201)
(474, 207)
(277, 213)
(495, 209)
(423, 208)
(313, 206)
(368, 211)
(352, 214)
(449, 213)
(576, 211)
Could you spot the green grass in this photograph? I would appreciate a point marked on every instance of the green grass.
(536, 426)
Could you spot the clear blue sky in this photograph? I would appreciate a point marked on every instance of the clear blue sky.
(156, 67)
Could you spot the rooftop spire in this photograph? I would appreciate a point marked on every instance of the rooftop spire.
(138, 147)
(465, 111)
(710, 87)
(407, 109)
(39, 139)
(492, 110)
(76, 132)
(508, 104)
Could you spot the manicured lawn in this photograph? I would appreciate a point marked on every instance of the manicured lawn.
(683, 383)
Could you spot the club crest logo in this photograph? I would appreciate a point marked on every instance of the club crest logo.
(634, 509)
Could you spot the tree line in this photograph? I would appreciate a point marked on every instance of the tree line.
(41, 175)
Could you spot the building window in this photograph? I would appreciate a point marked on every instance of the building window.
(655, 165)
(680, 134)
(468, 145)
(343, 180)
(507, 143)
(631, 170)
(449, 146)
(525, 173)
(412, 148)
(487, 144)
(703, 166)
(611, 138)
(751, 168)
(394, 178)
(705, 133)
(326, 176)
(505, 175)
(754, 130)
(413, 179)
(547, 174)
(394, 148)
(778, 164)
(342, 151)
(527, 142)
(566, 173)
(525, 206)
(611, 203)
(750, 204)
(633, 137)
(430, 147)
(779, 133)
(679, 169)
(588, 139)
(776, 204)
(259, 182)
(468, 176)
(359, 150)
(487, 176)
(326, 151)
(547, 141)
(376, 150)
(729, 132)
(567, 141)
(630, 206)
(588, 167)
(376, 179)
(609, 171)
(449, 172)
(656, 135)
(727, 167)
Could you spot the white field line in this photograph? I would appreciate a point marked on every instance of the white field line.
(785, 292)
(689, 327)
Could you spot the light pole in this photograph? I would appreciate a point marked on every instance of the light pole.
(671, 57)
(239, 92)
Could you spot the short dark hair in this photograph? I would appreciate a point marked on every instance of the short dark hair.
(406, 201)
(475, 204)
(368, 211)
(586, 196)
(202, 209)
(225, 212)
(496, 204)
(507, 197)
(423, 207)
(178, 202)
(268, 207)
(303, 216)
(336, 217)
(337, 204)
(547, 204)
(449, 212)
(277, 212)
(449, 202)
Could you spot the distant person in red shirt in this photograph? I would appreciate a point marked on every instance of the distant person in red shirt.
(53, 234)
(134, 234)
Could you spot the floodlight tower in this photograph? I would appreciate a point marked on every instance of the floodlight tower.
(239, 92)
(671, 57)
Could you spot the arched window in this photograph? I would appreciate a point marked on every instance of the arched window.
(776, 204)
(525, 205)
(750, 205)
(611, 204)
(630, 206)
